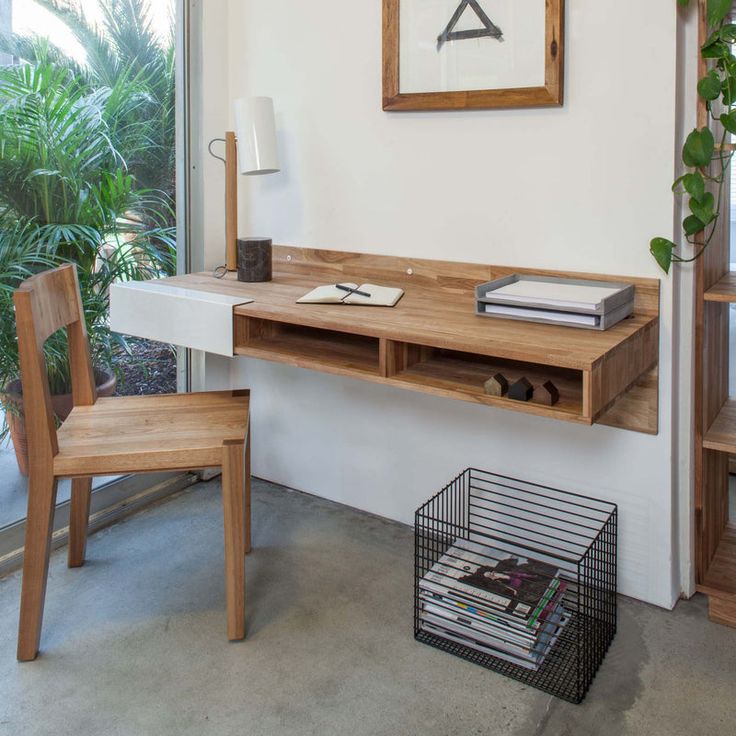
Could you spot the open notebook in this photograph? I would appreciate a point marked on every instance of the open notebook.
(380, 296)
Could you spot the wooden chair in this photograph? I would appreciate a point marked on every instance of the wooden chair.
(113, 436)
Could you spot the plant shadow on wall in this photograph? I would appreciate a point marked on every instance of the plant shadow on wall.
(708, 160)
(86, 176)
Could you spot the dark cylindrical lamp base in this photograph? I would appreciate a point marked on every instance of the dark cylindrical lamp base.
(254, 259)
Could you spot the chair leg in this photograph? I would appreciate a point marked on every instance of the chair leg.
(247, 495)
(39, 523)
(233, 501)
(79, 520)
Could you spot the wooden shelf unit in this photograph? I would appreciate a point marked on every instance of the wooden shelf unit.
(433, 341)
(724, 290)
(586, 396)
(722, 433)
(722, 571)
(714, 412)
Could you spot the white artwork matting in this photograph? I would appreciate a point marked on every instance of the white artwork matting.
(516, 60)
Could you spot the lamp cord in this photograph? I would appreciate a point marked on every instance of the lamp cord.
(212, 153)
(220, 271)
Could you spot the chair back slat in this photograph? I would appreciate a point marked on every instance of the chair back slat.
(54, 302)
(44, 304)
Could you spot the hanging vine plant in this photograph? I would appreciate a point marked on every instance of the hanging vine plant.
(707, 161)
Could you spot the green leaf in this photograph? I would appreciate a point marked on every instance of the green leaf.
(715, 50)
(694, 185)
(728, 33)
(709, 87)
(705, 210)
(661, 249)
(698, 149)
(728, 120)
(683, 3)
(713, 38)
(717, 11)
(728, 87)
(677, 183)
(692, 225)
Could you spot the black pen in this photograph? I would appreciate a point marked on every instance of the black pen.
(350, 290)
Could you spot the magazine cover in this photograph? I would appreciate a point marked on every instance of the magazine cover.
(516, 585)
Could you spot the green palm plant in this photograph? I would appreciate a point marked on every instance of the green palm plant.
(58, 163)
(125, 50)
(66, 195)
(60, 168)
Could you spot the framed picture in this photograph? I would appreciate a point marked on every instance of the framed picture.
(472, 54)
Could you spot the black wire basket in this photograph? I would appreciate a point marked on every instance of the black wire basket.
(519, 578)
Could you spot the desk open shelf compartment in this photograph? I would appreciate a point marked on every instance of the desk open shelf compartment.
(462, 375)
(307, 347)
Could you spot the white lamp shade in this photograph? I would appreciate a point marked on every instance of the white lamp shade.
(255, 128)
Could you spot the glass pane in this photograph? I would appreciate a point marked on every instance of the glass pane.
(732, 327)
(87, 175)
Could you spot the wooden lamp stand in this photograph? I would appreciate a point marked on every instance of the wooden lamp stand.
(231, 201)
(256, 136)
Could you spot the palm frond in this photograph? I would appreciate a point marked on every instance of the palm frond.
(102, 58)
(127, 45)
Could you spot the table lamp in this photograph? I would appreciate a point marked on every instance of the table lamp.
(252, 150)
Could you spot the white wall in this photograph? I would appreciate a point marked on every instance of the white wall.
(583, 187)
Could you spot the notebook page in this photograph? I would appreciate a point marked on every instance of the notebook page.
(328, 294)
(380, 296)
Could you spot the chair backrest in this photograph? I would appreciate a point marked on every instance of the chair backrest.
(45, 303)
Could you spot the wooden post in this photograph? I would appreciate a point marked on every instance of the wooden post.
(231, 201)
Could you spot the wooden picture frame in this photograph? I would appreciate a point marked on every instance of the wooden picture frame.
(549, 95)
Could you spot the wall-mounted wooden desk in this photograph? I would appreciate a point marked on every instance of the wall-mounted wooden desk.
(432, 341)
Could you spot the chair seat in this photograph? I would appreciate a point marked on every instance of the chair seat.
(146, 433)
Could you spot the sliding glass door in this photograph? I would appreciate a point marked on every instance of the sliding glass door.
(92, 124)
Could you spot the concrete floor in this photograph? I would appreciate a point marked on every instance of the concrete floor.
(134, 643)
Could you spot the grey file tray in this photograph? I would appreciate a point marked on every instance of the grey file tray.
(593, 315)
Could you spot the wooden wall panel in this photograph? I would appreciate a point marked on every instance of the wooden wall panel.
(711, 344)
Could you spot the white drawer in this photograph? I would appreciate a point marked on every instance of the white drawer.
(171, 314)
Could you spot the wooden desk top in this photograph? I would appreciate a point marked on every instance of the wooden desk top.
(428, 314)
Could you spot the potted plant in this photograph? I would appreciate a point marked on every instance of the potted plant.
(22, 253)
(66, 196)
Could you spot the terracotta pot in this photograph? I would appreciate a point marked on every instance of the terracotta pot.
(61, 403)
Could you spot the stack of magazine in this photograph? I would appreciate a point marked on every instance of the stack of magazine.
(494, 601)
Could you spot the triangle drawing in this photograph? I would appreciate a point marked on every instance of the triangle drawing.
(489, 29)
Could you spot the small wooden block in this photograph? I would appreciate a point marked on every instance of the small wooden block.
(546, 394)
(496, 385)
(522, 390)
